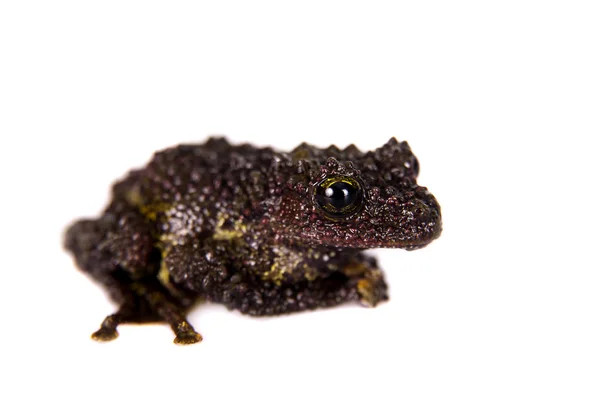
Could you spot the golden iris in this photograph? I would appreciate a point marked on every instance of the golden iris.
(339, 196)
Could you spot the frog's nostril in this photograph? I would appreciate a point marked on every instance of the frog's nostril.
(421, 210)
(427, 214)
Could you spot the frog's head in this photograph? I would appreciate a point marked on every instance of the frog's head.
(349, 199)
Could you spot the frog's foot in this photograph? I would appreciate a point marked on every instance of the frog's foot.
(108, 329)
(185, 334)
(372, 289)
(169, 311)
(127, 313)
(367, 280)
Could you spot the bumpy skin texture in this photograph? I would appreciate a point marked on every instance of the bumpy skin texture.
(245, 226)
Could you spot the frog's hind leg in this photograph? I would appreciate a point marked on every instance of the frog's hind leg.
(168, 309)
(129, 311)
(118, 252)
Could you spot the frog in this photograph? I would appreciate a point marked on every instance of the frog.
(261, 231)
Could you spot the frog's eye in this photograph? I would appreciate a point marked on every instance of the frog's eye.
(339, 196)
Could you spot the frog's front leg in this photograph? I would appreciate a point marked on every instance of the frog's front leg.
(349, 278)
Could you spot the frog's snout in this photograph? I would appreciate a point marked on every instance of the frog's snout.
(428, 215)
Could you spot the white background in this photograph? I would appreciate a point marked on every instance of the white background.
(499, 100)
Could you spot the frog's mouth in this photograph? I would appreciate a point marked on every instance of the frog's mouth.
(407, 245)
(409, 237)
(412, 244)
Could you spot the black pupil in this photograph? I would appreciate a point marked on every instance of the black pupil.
(338, 194)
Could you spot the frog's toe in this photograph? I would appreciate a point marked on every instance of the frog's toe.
(187, 338)
(105, 334)
(371, 292)
(185, 334)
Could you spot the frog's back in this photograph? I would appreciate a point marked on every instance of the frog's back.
(194, 184)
